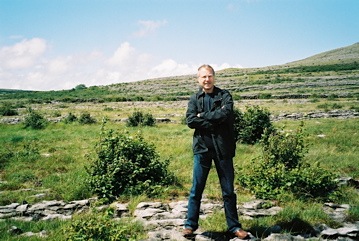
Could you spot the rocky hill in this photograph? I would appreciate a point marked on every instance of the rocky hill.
(347, 54)
(333, 73)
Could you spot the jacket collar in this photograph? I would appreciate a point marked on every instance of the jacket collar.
(201, 93)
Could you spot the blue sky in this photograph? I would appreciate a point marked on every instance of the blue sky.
(58, 44)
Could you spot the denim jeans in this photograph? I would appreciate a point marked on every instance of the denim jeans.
(201, 167)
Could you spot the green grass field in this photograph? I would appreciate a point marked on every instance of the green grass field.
(54, 158)
(53, 161)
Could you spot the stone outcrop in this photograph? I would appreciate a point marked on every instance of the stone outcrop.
(45, 210)
(340, 114)
(164, 221)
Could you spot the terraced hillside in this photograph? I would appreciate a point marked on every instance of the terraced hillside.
(330, 74)
(333, 73)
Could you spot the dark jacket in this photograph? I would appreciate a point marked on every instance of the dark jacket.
(219, 121)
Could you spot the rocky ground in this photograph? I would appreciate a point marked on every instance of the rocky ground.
(340, 114)
(164, 220)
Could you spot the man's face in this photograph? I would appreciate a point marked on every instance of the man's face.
(206, 79)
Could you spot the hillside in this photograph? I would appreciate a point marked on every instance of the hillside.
(347, 54)
(333, 73)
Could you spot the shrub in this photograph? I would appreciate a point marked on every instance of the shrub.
(108, 109)
(324, 106)
(332, 97)
(102, 226)
(311, 181)
(249, 126)
(7, 110)
(127, 165)
(281, 169)
(80, 87)
(327, 107)
(354, 108)
(35, 120)
(337, 106)
(86, 118)
(140, 119)
(283, 148)
(70, 118)
(265, 96)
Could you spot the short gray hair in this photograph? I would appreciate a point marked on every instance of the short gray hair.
(207, 66)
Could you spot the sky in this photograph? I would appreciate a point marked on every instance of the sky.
(59, 44)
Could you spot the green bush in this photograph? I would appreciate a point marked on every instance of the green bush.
(337, 106)
(80, 87)
(140, 119)
(327, 107)
(283, 148)
(249, 126)
(127, 165)
(281, 169)
(35, 120)
(102, 226)
(354, 108)
(311, 181)
(86, 118)
(7, 110)
(56, 113)
(70, 118)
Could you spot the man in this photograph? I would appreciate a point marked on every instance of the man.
(210, 113)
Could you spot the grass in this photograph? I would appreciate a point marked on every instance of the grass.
(53, 229)
(296, 217)
(340, 140)
(59, 153)
(89, 223)
(53, 160)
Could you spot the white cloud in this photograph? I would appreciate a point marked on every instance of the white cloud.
(59, 65)
(23, 54)
(26, 65)
(148, 27)
(169, 67)
(123, 55)
(225, 66)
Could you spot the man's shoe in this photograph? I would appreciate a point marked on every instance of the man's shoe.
(241, 234)
(187, 232)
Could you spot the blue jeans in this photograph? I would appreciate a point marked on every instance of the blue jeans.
(201, 167)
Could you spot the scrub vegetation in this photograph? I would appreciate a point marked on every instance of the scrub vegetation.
(60, 139)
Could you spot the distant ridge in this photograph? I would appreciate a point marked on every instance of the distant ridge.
(347, 56)
(342, 55)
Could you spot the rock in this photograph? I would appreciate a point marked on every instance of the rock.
(42, 234)
(163, 120)
(279, 237)
(329, 233)
(342, 114)
(348, 232)
(121, 209)
(22, 208)
(15, 230)
(164, 221)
